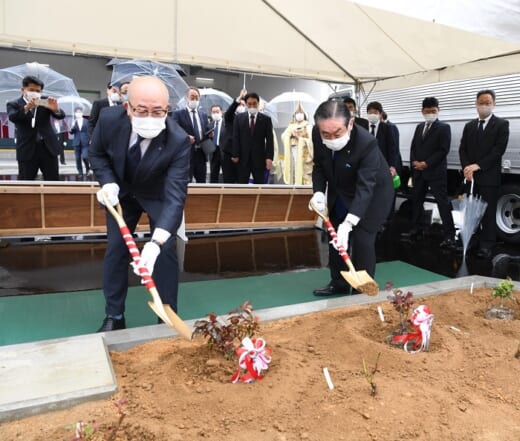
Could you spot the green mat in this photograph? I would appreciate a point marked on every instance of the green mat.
(46, 316)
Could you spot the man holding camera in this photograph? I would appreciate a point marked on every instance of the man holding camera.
(37, 146)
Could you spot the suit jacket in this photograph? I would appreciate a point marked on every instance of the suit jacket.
(389, 146)
(363, 122)
(253, 150)
(162, 174)
(226, 143)
(97, 106)
(358, 174)
(81, 136)
(223, 133)
(433, 149)
(26, 135)
(183, 118)
(488, 153)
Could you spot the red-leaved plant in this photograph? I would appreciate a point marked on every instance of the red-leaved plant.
(402, 303)
(226, 335)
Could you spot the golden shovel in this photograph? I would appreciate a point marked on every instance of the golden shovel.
(164, 312)
(359, 280)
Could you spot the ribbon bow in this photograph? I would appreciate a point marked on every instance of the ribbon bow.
(254, 357)
(422, 321)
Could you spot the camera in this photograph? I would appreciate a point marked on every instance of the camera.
(43, 102)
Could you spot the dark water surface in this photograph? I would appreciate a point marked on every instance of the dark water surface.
(70, 265)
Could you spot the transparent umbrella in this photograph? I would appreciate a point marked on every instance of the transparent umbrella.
(285, 104)
(210, 97)
(470, 210)
(69, 104)
(127, 70)
(55, 84)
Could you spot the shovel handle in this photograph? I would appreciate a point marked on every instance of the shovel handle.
(332, 232)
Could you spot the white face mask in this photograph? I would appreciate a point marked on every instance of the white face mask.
(78, 115)
(373, 118)
(338, 143)
(32, 95)
(240, 109)
(299, 117)
(114, 97)
(193, 104)
(216, 116)
(252, 111)
(148, 127)
(484, 110)
(430, 117)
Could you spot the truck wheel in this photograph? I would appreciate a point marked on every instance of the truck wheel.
(508, 214)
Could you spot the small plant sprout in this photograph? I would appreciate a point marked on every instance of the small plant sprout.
(402, 303)
(82, 430)
(503, 291)
(370, 375)
(227, 335)
(120, 407)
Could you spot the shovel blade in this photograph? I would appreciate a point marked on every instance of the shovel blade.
(172, 320)
(361, 281)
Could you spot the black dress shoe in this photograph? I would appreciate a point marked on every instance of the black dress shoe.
(484, 253)
(331, 290)
(112, 324)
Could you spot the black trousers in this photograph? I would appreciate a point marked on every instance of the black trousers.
(117, 259)
(229, 169)
(439, 190)
(362, 250)
(198, 165)
(42, 160)
(215, 164)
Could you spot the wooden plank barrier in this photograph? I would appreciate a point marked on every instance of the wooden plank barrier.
(61, 208)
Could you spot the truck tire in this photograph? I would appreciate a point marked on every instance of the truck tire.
(508, 213)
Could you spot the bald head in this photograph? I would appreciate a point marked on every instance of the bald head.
(147, 92)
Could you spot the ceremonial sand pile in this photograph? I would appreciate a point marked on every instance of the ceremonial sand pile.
(466, 388)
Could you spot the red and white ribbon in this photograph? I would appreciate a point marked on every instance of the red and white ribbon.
(422, 321)
(254, 357)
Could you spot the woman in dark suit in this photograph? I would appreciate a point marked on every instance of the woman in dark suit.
(349, 165)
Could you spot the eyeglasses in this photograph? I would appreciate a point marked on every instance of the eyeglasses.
(142, 112)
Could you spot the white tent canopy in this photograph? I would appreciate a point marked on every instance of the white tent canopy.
(332, 40)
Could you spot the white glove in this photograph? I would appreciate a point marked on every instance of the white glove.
(343, 232)
(319, 201)
(148, 257)
(111, 191)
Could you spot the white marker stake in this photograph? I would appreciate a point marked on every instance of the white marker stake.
(471, 289)
(380, 312)
(327, 377)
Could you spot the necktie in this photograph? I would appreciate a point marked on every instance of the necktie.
(133, 157)
(480, 130)
(373, 129)
(426, 128)
(195, 127)
(252, 125)
(216, 133)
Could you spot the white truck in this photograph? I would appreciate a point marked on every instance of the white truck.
(457, 107)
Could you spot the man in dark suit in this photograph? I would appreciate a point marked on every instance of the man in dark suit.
(195, 122)
(229, 168)
(253, 144)
(80, 142)
(218, 136)
(428, 152)
(349, 165)
(113, 99)
(37, 146)
(386, 138)
(141, 159)
(484, 141)
(350, 103)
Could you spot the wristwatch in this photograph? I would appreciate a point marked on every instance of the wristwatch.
(156, 242)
